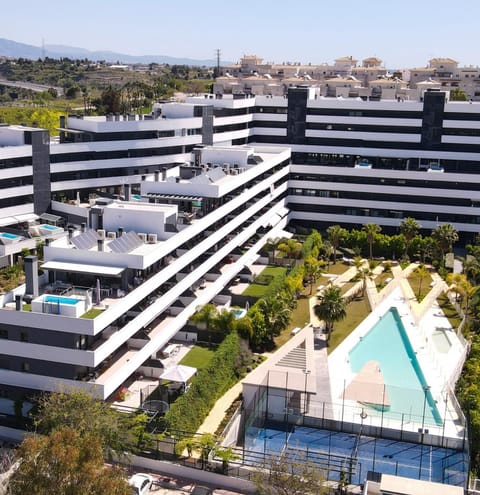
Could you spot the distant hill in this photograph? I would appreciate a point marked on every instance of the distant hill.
(9, 48)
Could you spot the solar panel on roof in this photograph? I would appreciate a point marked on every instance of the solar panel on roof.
(85, 240)
(126, 243)
(216, 174)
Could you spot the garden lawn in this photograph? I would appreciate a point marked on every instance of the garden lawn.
(357, 311)
(258, 290)
(198, 357)
(300, 316)
(416, 282)
(449, 311)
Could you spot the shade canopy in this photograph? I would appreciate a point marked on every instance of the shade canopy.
(179, 373)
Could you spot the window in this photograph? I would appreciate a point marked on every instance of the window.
(3, 334)
(26, 366)
(23, 336)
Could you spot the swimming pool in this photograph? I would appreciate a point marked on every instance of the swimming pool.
(238, 312)
(6, 235)
(408, 391)
(61, 300)
(46, 226)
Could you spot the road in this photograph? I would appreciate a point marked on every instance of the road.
(32, 86)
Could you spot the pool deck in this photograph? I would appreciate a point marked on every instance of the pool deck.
(420, 321)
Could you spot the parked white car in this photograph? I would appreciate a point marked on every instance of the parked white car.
(140, 483)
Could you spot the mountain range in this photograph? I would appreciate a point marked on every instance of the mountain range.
(13, 49)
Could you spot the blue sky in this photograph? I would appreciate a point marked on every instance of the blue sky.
(403, 34)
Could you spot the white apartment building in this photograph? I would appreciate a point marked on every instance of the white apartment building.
(306, 159)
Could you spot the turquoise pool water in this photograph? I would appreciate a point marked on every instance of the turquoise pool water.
(6, 235)
(48, 227)
(238, 312)
(61, 300)
(387, 342)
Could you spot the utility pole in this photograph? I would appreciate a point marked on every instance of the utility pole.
(217, 70)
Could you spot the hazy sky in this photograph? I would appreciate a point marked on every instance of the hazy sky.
(404, 33)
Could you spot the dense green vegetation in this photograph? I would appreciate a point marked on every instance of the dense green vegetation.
(188, 412)
(265, 283)
(90, 88)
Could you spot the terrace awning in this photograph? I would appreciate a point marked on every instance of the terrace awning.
(177, 197)
(112, 271)
(17, 219)
(48, 217)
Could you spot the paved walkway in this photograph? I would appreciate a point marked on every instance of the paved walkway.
(213, 420)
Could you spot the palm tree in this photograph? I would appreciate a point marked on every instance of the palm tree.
(422, 273)
(226, 455)
(224, 322)
(445, 235)
(331, 308)
(335, 235)
(205, 315)
(463, 290)
(365, 274)
(205, 444)
(471, 267)
(271, 245)
(371, 229)
(409, 227)
(275, 314)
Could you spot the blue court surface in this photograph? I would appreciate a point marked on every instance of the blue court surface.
(337, 452)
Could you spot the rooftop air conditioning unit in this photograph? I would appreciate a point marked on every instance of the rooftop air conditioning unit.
(152, 238)
(111, 235)
(101, 233)
(142, 236)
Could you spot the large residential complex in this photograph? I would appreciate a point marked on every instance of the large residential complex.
(146, 218)
(346, 78)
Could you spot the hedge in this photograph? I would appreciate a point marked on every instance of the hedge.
(190, 410)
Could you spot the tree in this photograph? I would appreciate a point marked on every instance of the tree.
(457, 94)
(372, 230)
(65, 463)
(290, 248)
(271, 245)
(284, 476)
(312, 270)
(87, 415)
(445, 235)
(335, 235)
(275, 315)
(205, 315)
(259, 328)
(224, 322)
(205, 445)
(226, 455)
(331, 308)
(365, 274)
(409, 227)
(422, 273)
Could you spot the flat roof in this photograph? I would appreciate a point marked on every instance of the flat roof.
(400, 485)
(113, 271)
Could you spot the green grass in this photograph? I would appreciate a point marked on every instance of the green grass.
(417, 283)
(337, 269)
(300, 316)
(257, 290)
(92, 313)
(449, 311)
(357, 311)
(198, 357)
